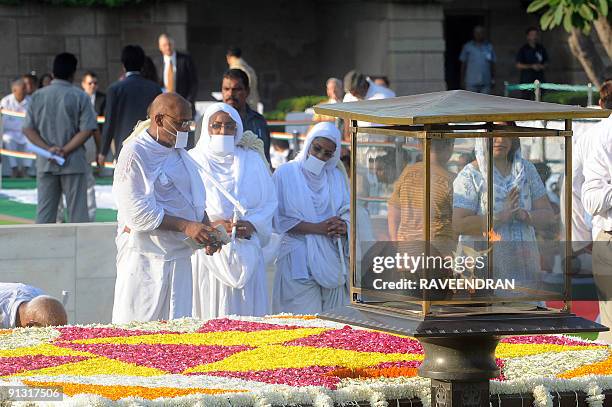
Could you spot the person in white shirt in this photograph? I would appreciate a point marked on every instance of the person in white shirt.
(233, 281)
(313, 213)
(359, 87)
(22, 305)
(12, 135)
(597, 201)
(333, 88)
(160, 200)
(583, 144)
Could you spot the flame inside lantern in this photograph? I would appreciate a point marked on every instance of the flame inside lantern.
(493, 236)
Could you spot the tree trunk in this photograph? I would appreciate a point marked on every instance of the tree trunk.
(604, 32)
(584, 50)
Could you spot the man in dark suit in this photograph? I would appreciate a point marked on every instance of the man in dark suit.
(178, 73)
(127, 101)
(89, 83)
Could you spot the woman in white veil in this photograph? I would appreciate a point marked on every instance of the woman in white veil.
(233, 281)
(313, 213)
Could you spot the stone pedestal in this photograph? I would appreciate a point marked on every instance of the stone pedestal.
(460, 369)
(459, 394)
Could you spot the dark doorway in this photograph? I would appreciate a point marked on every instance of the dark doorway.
(457, 31)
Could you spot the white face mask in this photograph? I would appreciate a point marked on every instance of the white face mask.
(221, 144)
(181, 137)
(314, 165)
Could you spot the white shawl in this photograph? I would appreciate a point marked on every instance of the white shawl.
(244, 174)
(305, 197)
(145, 169)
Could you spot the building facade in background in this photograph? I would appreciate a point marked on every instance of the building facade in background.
(294, 45)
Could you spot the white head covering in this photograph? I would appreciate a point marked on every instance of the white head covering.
(210, 111)
(220, 167)
(326, 130)
(306, 197)
(317, 183)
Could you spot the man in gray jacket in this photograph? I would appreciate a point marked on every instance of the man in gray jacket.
(60, 119)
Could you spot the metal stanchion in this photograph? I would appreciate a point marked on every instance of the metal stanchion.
(296, 142)
(537, 90)
(590, 94)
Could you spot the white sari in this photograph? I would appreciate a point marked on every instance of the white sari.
(239, 288)
(311, 276)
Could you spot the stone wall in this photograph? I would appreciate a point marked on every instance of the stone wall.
(33, 33)
(296, 45)
(78, 258)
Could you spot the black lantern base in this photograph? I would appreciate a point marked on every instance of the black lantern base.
(460, 350)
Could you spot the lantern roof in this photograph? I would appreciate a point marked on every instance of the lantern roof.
(454, 106)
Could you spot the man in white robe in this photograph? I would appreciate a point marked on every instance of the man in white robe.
(22, 305)
(313, 213)
(597, 201)
(233, 281)
(160, 201)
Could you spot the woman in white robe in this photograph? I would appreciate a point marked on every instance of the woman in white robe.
(313, 214)
(238, 286)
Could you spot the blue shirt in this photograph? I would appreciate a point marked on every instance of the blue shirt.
(478, 58)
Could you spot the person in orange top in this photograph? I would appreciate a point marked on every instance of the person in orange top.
(405, 206)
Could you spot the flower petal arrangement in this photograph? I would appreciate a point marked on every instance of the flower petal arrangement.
(274, 360)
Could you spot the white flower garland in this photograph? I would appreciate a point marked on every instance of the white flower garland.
(594, 396)
(26, 337)
(542, 397)
(551, 364)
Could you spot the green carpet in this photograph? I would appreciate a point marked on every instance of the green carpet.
(28, 211)
(30, 183)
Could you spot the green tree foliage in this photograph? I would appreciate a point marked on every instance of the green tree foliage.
(296, 104)
(578, 17)
(580, 14)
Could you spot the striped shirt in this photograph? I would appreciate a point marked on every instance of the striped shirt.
(408, 193)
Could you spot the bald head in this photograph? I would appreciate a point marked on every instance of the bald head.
(43, 310)
(169, 103)
(168, 112)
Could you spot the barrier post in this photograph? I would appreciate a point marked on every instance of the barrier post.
(590, 94)
(506, 89)
(537, 90)
(296, 141)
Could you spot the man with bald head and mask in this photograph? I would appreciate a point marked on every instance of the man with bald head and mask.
(22, 305)
(161, 219)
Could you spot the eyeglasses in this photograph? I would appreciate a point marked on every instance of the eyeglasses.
(92, 83)
(227, 126)
(183, 124)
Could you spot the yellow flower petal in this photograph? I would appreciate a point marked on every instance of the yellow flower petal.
(96, 366)
(277, 356)
(225, 338)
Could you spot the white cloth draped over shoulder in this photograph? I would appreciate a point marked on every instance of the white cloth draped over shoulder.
(304, 259)
(239, 288)
(153, 265)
